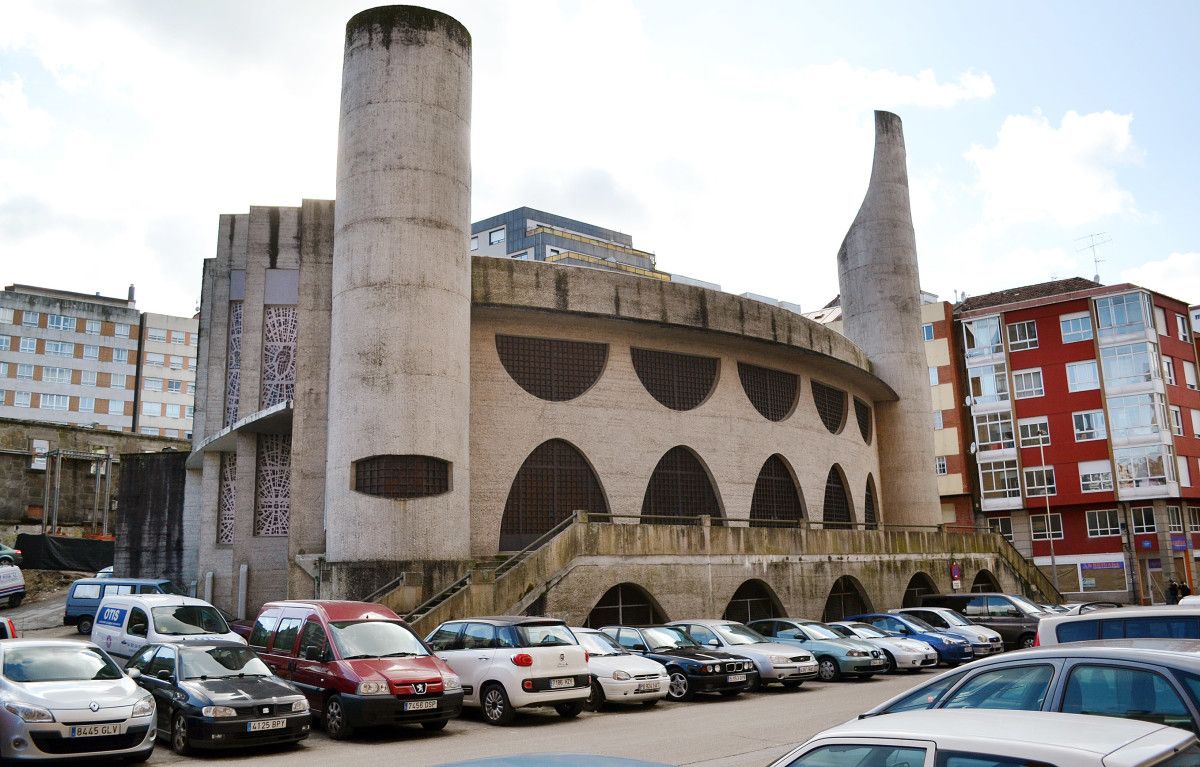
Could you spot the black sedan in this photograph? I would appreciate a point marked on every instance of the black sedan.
(218, 695)
(692, 667)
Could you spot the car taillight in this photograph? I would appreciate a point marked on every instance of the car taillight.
(527, 685)
(16, 551)
(586, 657)
(1037, 639)
(522, 659)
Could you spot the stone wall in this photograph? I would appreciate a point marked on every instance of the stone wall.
(149, 528)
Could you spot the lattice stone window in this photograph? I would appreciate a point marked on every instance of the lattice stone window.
(402, 476)
(836, 513)
(772, 392)
(279, 355)
(226, 510)
(831, 406)
(678, 381)
(273, 484)
(869, 511)
(553, 482)
(233, 363)
(862, 412)
(776, 497)
(549, 368)
(680, 487)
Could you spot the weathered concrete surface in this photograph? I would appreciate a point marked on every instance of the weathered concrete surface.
(150, 525)
(401, 282)
(880, 293)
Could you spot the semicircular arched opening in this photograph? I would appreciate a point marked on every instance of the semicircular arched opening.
(985, 581)
(550, 368)
(626, 604)
(754, 600)
(777, 499)
(837, 512)
(553, 482)
(831, 406)
(870, 505)
(678, 381)
(680, 489)
(862, 413)
(918, 585)
(772, 392)
(846, 597)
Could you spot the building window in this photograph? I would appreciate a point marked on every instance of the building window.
(29, 345)
(982, 337)
(994, 431)
(1028, 383)
(927, 331)
(91, 327)
(1143, 519)
(30, 319)
(1039, 481)
(1181, 326)
(837, 512)
(939, 421)
(496, 236)
(5, 343)
(1194, 519)
(1082, 376)
(3, 370)
(190, 411)
(154, 359)
(60, 322)
(56, 375)
(24, 370)
(1022, 335)
(21, 399)
(999, 479)
(1176, 421)
(152, 384)
(152, 408)
(1160, 320)
(1183, 470)
(773, 392)
(1095, 476)
(6, 316)
(1141, 467)
(175, 386)
(1076, 327)
(177, 337)
(677, 381)
(273, 484)
(1043, 532)
(58, 348)
(1196, 424)
(475, 243)
(1034, 431)
(862, 412)
(1174, 520)
(679, 487)
(1122, 315)
(933, 376)
(233, 364)
(1001, 526)
(177, 362)
(172, 410)
(91, 352)
(831, 406)
(88, 378)
(120, 355)
(1136, 415)
(87, 404)
(1189, 374)
(121, 330)
(988, 383)
(55, 402)
(1103, 522)
(776, 497)
(1128, 364)
(149, 431)
(552, 369)
(117, 381)
(116, 407)
(553, 482)
(939, 465)
(157, 334)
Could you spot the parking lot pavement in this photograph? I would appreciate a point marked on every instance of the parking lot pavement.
(709, 732)
(42, 618)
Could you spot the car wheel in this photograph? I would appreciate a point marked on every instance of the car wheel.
(891, 659)
(334, 719)
(15, 600)
(435, 726)
(179, 735)
(827, 670)
(792, 684)
(569, 710)
(496, 708)
(7, 561)
(1026, 641)
(84, 626)
(679, 688)
(595, 699)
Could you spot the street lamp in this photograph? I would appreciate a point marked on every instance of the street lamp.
(1044, 434)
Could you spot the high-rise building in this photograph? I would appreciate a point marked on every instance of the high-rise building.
(166, 375)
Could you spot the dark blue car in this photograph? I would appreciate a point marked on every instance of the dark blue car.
(951, 650)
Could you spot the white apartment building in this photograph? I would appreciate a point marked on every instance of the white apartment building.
(167, 378)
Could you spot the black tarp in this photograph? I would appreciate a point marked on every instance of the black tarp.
(52, 552)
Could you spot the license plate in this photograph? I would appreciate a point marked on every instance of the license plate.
(91, 730)
(558, 684)
(648, 687)
(420, 705)
(266, 724)
(736, 678)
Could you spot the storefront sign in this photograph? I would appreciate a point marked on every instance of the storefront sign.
(1102, 566)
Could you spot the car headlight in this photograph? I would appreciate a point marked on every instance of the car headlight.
(144, 707)
(300, 705)
(372, 688)
(779, 659)
(858, 654)
(622, 676)
(218, 712)
(30, 713)
(451, 682)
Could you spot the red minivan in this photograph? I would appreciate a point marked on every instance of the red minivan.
(359, 664)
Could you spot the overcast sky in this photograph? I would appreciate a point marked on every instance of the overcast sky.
(732, 139)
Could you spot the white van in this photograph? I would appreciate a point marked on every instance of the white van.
(127, 622)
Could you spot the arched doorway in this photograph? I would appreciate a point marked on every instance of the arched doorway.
(626, 604)
(837, 512)
(776, 497)
(847, 597)
(680, 487)
(753, 600)
(554, 481)
(919, 584)
(985, 581)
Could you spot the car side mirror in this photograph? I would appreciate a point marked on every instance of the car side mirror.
(713, 643)
(638, 648)
(312, 652)
(133, 673)
(164, 675)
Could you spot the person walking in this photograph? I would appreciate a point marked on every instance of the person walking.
(1184, 590)
(1172, 593)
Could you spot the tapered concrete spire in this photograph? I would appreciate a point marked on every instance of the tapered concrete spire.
(881, 312)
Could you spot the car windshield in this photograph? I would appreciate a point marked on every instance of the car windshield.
(868, 631)
(599, 645)
(220, 662)
(58, 664)
(817, 631)
(916, 623)
(375, 639)
(736, 633)
(1026, 606)
(954, 619)
(544, 635)
(667, 638)
(842, 631)
(183, 620)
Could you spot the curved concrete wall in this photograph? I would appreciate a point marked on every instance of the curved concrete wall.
(399, 364)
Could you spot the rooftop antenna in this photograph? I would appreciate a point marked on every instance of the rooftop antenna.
(1093, 241)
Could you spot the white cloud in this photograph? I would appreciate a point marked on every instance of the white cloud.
(1065, 175)
(1177, 275)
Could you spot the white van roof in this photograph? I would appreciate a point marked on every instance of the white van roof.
(157, 600)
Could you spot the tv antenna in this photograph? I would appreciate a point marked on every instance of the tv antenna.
(1091, 242)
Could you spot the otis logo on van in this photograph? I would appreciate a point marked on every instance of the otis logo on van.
(111, 616)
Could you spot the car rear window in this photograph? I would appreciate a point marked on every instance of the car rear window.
(543, 635)
(86, 591)
(1149, 627)
(1077, 631)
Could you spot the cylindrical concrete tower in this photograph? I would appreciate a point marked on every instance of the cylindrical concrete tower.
(881, 312)
(397, 474)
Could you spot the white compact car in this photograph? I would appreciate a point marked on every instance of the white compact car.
(65, 698)
(619, 676)
(911, 655)
(511, 662)
(984, 641)
(126, 623)
(996, 738)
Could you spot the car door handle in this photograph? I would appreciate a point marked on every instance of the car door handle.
(482, 657)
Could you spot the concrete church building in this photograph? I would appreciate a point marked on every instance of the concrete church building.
(381, 415)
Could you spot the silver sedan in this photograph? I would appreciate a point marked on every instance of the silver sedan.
(911, 655)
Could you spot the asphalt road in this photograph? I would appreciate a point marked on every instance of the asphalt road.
(36, 618)
(713, 732)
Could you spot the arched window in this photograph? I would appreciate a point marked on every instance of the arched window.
(831, 406)
(680, 487)
(626, 604)
(772, 392)
(847, 597)
(679, 381)
(554, 481)
(753, 601)
(862, 411)
(870, 510)
(550, 368)
(776, 496)
(918, 585)
(837, 512)
(985, 582)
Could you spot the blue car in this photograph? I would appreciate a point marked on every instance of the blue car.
(951, 650)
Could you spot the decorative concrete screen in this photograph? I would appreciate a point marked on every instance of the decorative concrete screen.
(776, 497)
(279, 355)
(554, 481)
(402, 476)
(862, 411)
(552, 369)
(772, 392)
(233, 364)
(680, 487)
(679, 381)
(273, 486)
(225, 501)
(831, 406)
